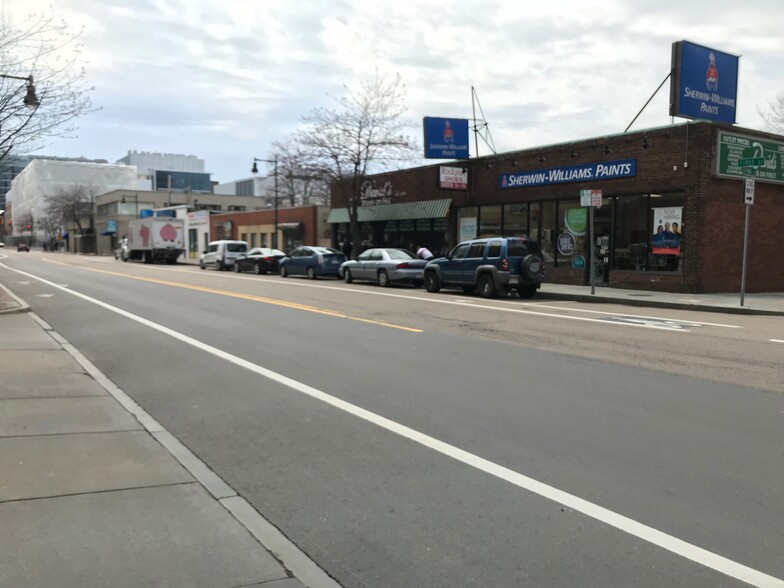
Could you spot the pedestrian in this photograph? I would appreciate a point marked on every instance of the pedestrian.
(424, 253)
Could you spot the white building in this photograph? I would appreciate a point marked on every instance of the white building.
(43, 178)
(253, 186)
(148, 162)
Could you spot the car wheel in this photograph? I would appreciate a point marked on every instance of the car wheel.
(526, 291)
(284, 272)
(486, 286)
(432, 283)
(347, 277)
(201, 265)
(383, 279)
(236, 268)
(311, 273)
(257, 268)
(218, 265)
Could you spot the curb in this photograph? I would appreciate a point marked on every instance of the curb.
(20, 305)
(657, 304)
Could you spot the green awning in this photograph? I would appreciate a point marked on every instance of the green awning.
(399, 211)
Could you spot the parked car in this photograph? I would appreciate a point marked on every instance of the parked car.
(489, 265)
(312, 261)
(385, 266)
(259, 260)
(222, 254)
(2, 244)
(22, 247)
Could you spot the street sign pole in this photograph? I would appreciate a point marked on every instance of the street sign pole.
(590, 244)
(748, 198)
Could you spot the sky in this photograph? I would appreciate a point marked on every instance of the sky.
(225, 80)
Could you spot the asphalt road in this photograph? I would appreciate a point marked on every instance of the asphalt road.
(408, 439)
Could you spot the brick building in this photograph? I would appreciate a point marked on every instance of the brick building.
(671, 216)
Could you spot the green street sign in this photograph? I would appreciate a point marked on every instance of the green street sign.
(751, 161)
(740, 156)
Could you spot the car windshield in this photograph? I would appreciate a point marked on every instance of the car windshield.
(400, 254)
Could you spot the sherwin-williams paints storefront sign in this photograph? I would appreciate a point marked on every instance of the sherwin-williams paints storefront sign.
(704, 83)
(606, 170)
(733, 148)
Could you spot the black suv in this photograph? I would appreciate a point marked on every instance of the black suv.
(489, 265)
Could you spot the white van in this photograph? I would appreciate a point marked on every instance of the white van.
(222, 254)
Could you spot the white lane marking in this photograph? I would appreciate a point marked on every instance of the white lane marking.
(671, 543)
(44, 295)
(776, 340)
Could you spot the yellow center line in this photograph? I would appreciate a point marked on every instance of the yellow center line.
(251, 297)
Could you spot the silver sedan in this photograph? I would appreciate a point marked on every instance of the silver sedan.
(384, 266)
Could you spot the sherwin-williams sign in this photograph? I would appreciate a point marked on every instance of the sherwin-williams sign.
(606, 170)
(733, 148)
(704, 83)
(446, 138)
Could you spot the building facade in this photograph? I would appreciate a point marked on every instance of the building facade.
(669, 211)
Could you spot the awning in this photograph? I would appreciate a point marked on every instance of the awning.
(398, 211)
(289, 226)
(107, 233)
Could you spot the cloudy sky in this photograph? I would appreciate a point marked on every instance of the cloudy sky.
(224, 80)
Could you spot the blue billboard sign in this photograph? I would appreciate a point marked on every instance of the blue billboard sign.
(606, 170)
(704, 83)
(446, 138)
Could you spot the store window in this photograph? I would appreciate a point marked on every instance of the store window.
(649, 232)
(490, 221)
(515, 220)
(572, 234)
(667, 232)
(466, 223)
(548, 231)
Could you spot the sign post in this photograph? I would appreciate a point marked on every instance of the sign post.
(748, 199)
(591, 198)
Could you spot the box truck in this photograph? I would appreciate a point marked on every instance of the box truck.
(154, 239)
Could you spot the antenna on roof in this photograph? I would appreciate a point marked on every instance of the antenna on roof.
(481, 126)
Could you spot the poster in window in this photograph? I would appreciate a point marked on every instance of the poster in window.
(667, 231)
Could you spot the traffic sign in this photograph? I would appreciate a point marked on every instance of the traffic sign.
(748, 194)
(596, 198)
(749, 161)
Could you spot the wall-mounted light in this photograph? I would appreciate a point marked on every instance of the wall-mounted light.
(572, 154)
(513, 163)
(607, 150)
(645, 143)
(542, 159)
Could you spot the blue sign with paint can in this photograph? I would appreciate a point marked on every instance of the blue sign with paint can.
(446, 138)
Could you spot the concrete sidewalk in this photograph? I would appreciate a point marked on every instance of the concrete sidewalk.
(94, 493)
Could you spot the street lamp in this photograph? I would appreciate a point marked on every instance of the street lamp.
(30, 99)
(136, 199)
(255, 170)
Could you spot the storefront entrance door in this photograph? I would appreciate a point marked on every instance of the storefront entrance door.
(602, 245)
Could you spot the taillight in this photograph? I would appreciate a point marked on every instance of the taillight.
(504, 265)
(404, 265)
(266, 259)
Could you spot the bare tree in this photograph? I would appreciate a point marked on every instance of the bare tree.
(364, 135)
(74, 206)
(773, 115)
(300, 184)
(43, 50)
